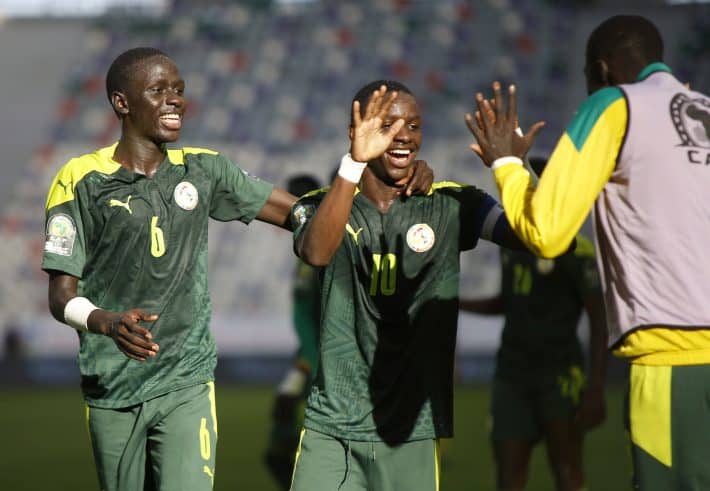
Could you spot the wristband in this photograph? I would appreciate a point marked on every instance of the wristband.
(510, 159)
(350, 170)
(77, 311)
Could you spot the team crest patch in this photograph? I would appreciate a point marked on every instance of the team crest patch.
(420, 237)
(61, 234)
(691, 118)
(545, 266)
(186, 195)
(303, 212)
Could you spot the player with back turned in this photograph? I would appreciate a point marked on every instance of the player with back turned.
(635, 150)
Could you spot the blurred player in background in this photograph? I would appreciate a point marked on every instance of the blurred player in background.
(291, 393)
(384, 390)
(540, 390)
(639, 147)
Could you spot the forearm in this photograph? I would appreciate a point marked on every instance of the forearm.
(62, 289)
(324, 232)
(546, 217)
(597, 355)
(277, 209)
(484, 306)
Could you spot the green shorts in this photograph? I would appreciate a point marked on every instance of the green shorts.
(326, 463)
(519, 409)
(668, 419)
(165, 443)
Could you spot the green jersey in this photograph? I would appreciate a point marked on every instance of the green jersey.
(306, 313)
(136, 242)
(543, 300)
(389, 314)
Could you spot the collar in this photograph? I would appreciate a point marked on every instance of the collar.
(653, 68)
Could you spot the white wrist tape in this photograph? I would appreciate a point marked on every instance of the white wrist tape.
(76, 312)
(350, 170)
(505, 161)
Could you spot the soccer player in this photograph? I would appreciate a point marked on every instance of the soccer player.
(539, 389)
(383, 393)
(637, 149)
(126, 253)
(286, 415)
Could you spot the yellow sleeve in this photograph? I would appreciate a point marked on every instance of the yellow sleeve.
(547, 217)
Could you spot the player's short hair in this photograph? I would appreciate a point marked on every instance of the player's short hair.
(119, 73)
(633, 36)
(301, 184)
(363, 95)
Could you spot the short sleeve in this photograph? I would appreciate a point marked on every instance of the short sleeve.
(236, 195)
(479, 214)
(65, 223)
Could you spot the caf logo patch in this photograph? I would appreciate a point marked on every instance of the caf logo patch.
(186, 195)
(691, 118)
(420, 237)
(61, 234)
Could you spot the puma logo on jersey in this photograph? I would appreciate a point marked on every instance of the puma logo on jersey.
(352, 232)
(209, 472)
(126, 205)
(65, 186)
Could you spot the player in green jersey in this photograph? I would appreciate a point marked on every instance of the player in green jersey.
(383, 394)
(286, 414)
(126, 253)
(539, 390)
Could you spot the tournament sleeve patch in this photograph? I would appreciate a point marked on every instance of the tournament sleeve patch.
(61, 234)
(302, 212)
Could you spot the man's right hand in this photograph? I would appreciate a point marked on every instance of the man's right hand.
(132, 339)
(370, 136)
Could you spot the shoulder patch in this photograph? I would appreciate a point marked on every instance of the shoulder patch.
(61, 234)
(589, 112)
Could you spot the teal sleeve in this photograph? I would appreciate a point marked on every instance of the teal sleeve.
(236, 195)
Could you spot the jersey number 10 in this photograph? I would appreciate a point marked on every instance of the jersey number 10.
(384, 274)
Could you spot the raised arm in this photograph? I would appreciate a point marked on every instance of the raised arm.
(322, 236)
(130, 337)
(546, 217)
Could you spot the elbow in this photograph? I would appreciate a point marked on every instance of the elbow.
(314, 258)
(551, 246)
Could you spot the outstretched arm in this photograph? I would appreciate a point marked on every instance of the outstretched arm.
(547, 216)
(277, 209)
(130, 337)
(324, 232)
(483, 306)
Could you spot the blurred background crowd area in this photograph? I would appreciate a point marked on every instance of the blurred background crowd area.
(269, 84)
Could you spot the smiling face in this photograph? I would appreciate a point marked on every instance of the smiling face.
(153, 104)
(396, 162)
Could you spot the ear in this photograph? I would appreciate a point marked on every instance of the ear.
(119, 101)
(350, 132)
(604, 72)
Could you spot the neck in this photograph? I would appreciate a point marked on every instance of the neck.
(379, 192)
(139, 155)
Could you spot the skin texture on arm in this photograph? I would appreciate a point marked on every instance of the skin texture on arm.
(130, 337)
(592, 410)
(277, 209)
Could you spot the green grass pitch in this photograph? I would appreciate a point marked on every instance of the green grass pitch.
(45, 445)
